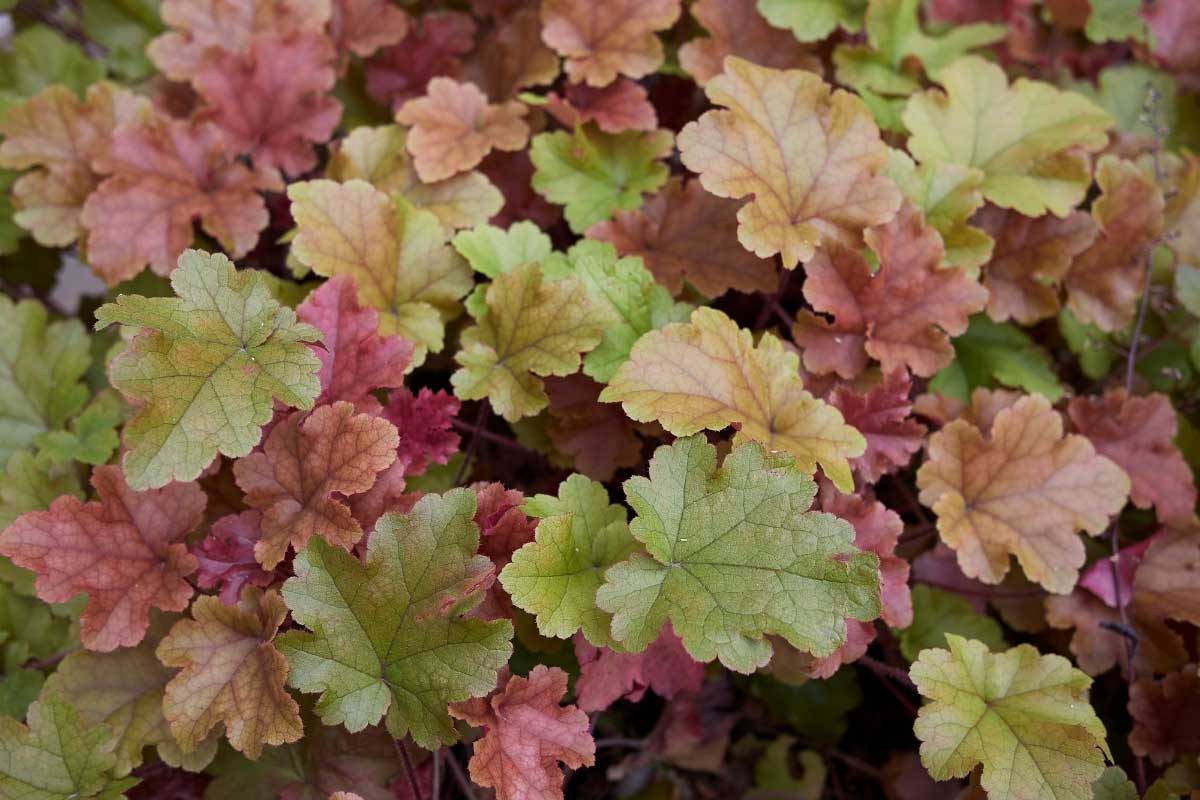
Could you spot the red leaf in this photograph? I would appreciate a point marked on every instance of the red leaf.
(125, 549)
(355, 359)
(620, 106)
(526, 734)
(226, 556)
(1164, 716)
(503, 526)
(512, 173)
(1175, 35)
(597, 435)
(606, 676)
(166, 174)
(423, 422)
(882, 416)
(433, 47)
(1098, 578)
(273, 101)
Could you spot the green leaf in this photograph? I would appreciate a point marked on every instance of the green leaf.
(1022, 715)
(1122, 91)
(388, 636)
(947, 194)
(592, 174)
(628, 291)
(555, 577)
(206, 368)
(41, 57)
(992, 353)
(492, 251)
(11, 233)
(1115, 21)
(734, 555)
(123, 28)
(937, 613)
(773, 779)
(41, 364)
(32, 483)
(1187, 288)
(1114, 784)
(816, 709)
(810, 20)
(92, 436)
(1089, 344)
(57, 757)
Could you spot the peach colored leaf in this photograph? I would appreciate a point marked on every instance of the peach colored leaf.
(1138, 434)
(164, 174)
(737, 29)
(307, 464)
(205, 368)
(903, 314)
(226, 556)
(377, 156)
(513, 56)
(397, 254)
(812, 170)
(603, 41)
(527, 733)
(1030, 139)
(1167, 582)
(1025, 717)
(1023, 489)
(125, 549)
(606, 676)
(433, 47)
(273, 101)
(683, 233)
(621, 106)
(454, 127)
(1164, 712)
(597, 436)
(532, 328)
(363, 26)
(60, 136)
(1030, 258)
(708, 374)
(1105, 281)
(355, 359)
(1097, 649)
(231, 674)
(200, 27)
(883, 416)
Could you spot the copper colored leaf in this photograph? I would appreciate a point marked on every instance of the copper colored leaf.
(606, 676)
(226, 556)
(621, 106)
(883, 416)
(902, 314)
(808, 155)
(527, 734)
(355, 359)
(1164, 715)
(231, 674)
(164, 174)
(273, 101)
(683, 233)
(708, 374)
(1023, 489)
(1167, 583)
(1138, 434)
(364, 26)
(307, 460)
(598, 436)
(602, 41)
(434, 46)
(513, 56)
(125, 549)
(737, 29)
(1029, 261)
(454, 127)
(1105, 281)
(1095, 646)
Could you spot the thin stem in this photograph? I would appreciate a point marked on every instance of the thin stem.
(895, 673)
(771, 301)
(854, 762)
(1143, 303)
(629, 744)
(409, 769)
(481, 419)
(491, 436)
(888, 678)
(435, 791)
(48, 661)
(910, 500)
(460, 776)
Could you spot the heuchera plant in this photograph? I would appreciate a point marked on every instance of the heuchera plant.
(613, 399)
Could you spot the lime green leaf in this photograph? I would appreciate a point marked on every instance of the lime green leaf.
(1114, 784)
(531, 329)
(1018, 135)
(41, 364)
(491, 250)
(810, 20)
(1089, 344)
(895, 36)
(40, 57)
(630, 294)
(816, 709)
(1115, 21)
(388, 634)
(734, 555)
(1022, 715)
(32, 483)
(92, 436)
(206, 368)
(11, 233)
(992, 353)
(555, 577)
(937, 613)
(1187, 288)
(773, 778)
(593, 173)
(947, 194)
(57, 757)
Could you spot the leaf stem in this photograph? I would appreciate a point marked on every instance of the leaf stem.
(409, 769)
(460, 776)
(481, 418)
(891, 676)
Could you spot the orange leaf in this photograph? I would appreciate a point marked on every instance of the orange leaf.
(306, 460)
(232, 673)
(454, 127)
(603, 40)
(125, 549)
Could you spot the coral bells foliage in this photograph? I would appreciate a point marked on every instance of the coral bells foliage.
(631, 399)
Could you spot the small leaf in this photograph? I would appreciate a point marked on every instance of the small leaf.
(937, 613)
(989, 354)
(810, 20)
(600, 43)
(606, 676)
